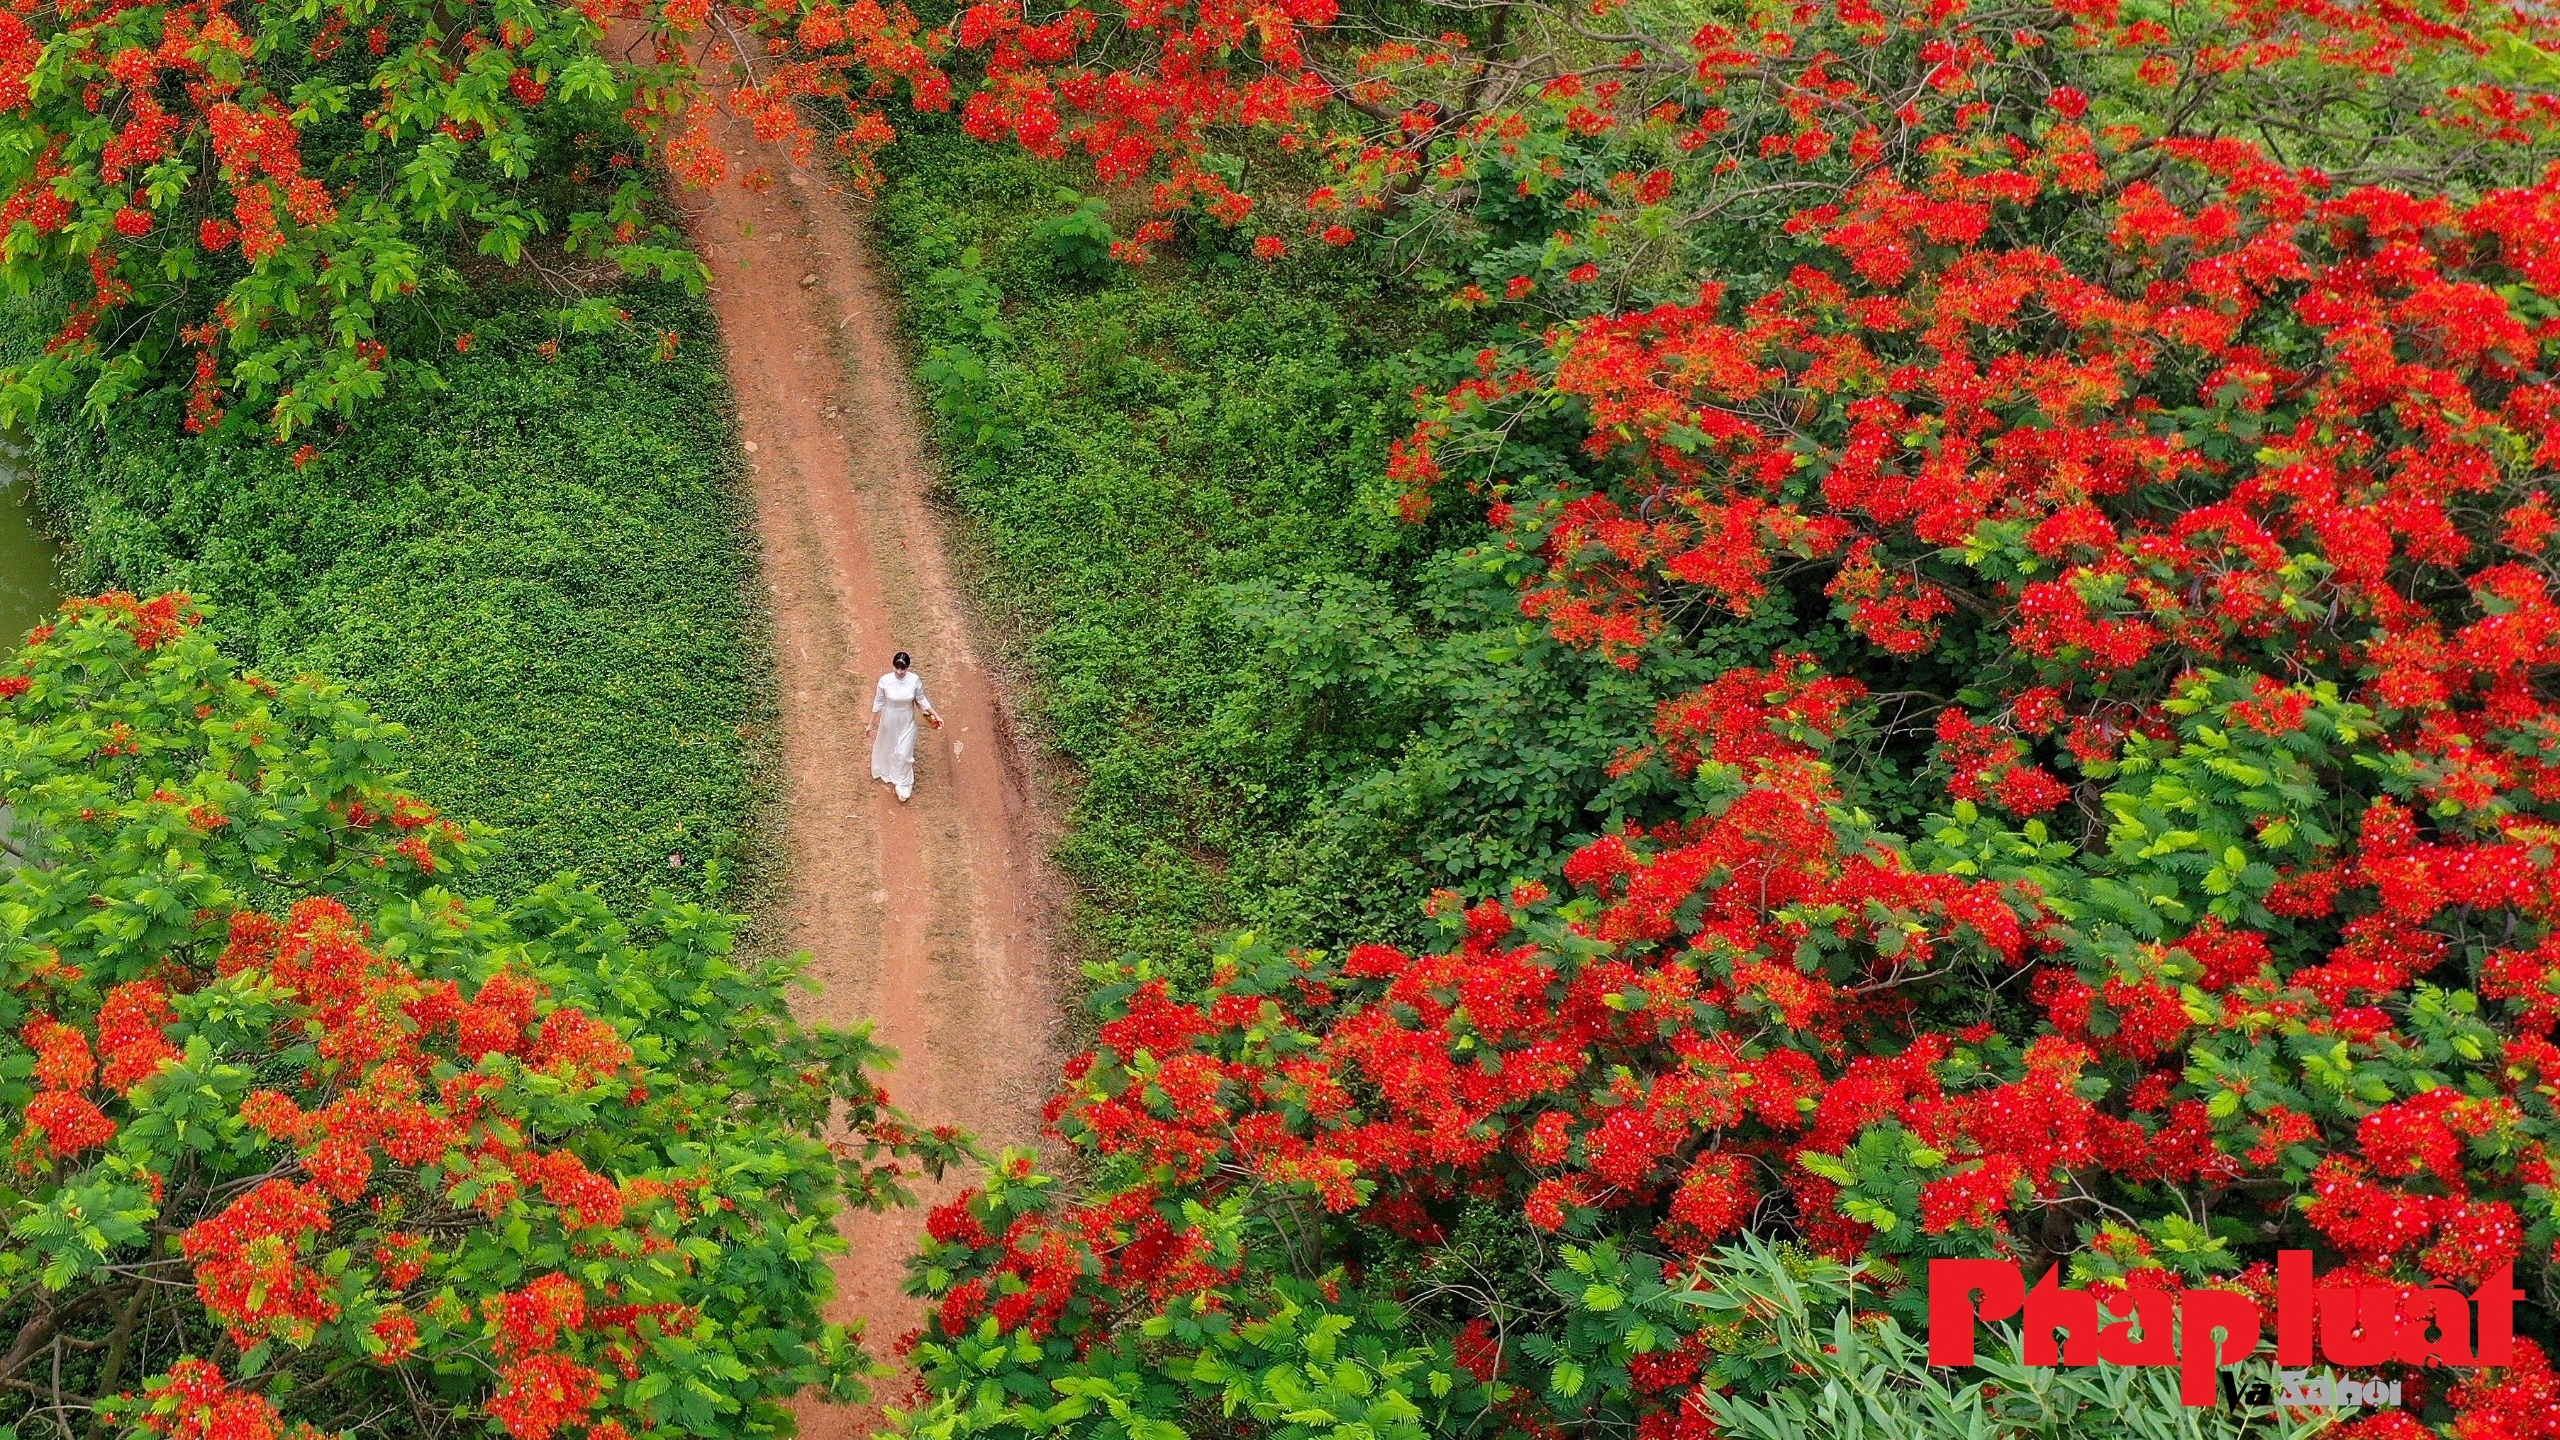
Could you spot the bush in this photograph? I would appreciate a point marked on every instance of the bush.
(1079, 242)
(303, 1135)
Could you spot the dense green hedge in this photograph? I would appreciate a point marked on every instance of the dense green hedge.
(547, 573)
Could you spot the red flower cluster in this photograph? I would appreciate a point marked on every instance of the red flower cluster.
(194, 1403)
(249, 1268)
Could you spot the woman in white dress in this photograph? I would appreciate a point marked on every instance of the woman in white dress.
(894, 704)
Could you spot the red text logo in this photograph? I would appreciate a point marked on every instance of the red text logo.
(2200, 1331)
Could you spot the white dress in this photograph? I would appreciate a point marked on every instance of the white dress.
(893, 740)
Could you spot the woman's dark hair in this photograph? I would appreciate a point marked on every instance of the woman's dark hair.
(899, 659)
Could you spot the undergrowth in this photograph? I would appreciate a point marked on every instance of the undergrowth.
(1286, 707)
(545, 572)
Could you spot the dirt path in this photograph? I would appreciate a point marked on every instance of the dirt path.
(930, 918)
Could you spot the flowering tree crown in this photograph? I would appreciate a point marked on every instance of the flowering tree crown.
(300, 1133)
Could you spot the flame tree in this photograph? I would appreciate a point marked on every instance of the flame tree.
(2158, 401)
(301, 1137)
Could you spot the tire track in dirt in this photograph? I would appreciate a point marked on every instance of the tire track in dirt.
(933, 919)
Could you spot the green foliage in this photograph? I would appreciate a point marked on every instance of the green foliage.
(1803, 1362)
(1785, 1344)
(275, 201)
(546, 573)
(1463, 745)
(1305, 1368)
(2196, 824)
(283, 1100)
(964, 310)
(1079, 241)
(1287, 706)
(1301, 1359)
(1123, 454)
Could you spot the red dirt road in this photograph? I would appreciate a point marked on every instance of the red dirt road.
(932, 918)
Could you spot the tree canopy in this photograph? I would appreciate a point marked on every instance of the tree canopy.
(303, 1135)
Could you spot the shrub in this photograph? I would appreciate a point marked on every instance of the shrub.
(301, 1134)
(1079, 242)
